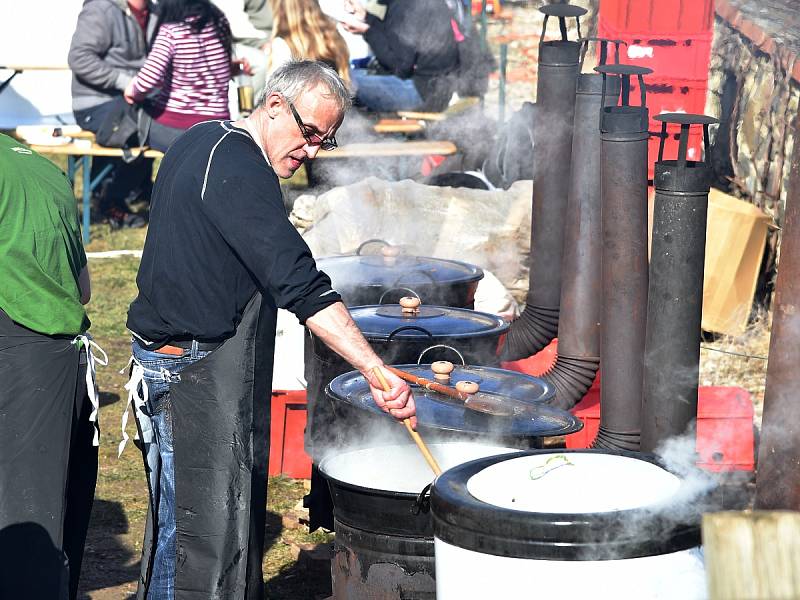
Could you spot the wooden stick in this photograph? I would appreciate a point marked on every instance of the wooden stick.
(429, 384)
(437, 470)
(752, 554)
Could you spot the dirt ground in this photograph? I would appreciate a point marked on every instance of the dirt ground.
(293, 568)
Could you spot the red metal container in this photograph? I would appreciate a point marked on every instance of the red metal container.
(286, 454)
(725, 440)
(659, 16)
(670, 56)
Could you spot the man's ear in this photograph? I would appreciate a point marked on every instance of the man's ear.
(274, 104)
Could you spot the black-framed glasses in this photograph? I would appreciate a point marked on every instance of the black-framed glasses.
(312, 139)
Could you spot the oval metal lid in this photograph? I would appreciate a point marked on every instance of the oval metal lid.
(436, 411)
(387, 321)
(404, 270)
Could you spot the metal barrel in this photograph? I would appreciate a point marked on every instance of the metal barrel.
(579, 320)
(623, 168)
(555, 103)
(675, 294)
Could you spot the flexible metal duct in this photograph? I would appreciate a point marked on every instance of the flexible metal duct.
(579, 323)
(778, 478)
(624, 263)
(675, 294)
(552, 149)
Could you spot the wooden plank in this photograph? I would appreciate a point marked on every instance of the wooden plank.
(35, 67)
(752, 554)
(93, 150)
(399, 126)
(424, 116)
(384, 149)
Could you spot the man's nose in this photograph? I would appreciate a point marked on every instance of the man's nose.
(312, 150)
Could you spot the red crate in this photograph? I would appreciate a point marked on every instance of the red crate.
(287, 455)
(659, 16)
(670, 56)
(725, 440)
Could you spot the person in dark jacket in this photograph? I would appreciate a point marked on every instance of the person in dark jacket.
(220, 258)
(108, 48)
(416, 53)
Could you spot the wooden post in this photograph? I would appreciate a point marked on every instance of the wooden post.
(752, 555)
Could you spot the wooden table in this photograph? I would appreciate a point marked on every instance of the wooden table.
(17, 69)
(80, 156)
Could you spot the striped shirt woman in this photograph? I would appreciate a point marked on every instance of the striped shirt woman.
(187, 71)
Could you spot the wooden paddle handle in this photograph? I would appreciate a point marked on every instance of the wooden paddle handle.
(437, 470)
(430, 385)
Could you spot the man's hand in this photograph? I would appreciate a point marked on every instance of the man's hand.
(398, 401)
(357, 24)
(128, 93)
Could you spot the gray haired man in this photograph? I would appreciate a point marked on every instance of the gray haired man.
(219, 260)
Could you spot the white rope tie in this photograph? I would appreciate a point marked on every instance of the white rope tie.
(91, 380)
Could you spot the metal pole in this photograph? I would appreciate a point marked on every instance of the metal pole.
(501, 110)
(778, 474)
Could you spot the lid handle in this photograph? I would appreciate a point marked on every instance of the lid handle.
(461, 356)
(371, 241)
(395, 289)
(409, 328)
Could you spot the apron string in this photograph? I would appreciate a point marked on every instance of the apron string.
(86, 342)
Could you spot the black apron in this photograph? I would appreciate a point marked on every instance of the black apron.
(221, 419)
(48, 465)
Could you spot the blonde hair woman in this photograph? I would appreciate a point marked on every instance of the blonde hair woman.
(301, 30)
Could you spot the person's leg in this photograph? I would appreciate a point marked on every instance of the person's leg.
(385, 93)
(158, 369)
(81, 482)
(125, 181)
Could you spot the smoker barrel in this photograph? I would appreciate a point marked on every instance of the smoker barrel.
(613, 523)
(624, 138)
(675, 295)
(555, 112)
(434, 333)
(384, 533)
(384, 277)
(579, 321)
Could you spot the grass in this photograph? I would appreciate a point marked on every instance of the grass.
(113, 547)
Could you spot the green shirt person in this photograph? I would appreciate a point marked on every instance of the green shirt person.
(43, 274)
(48, 399)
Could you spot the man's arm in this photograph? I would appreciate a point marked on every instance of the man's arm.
(91, 40)
(336, 328)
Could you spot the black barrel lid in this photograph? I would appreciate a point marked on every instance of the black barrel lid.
(402, 271)
(463, 520)
(387, 322)
(438, 412)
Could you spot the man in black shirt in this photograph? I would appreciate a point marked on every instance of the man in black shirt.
(219, 260)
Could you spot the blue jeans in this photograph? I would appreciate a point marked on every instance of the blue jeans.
(385, 93)
(160, 372)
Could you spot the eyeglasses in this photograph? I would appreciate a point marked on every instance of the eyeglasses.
(312, 139)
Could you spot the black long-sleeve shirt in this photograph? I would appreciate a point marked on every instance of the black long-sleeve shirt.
(218, 232)
(416, 40)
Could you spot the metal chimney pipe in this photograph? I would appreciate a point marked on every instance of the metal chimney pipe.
(778, 468)
(675, 294)
(623, 130)
(552, 150)
(579, 322)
